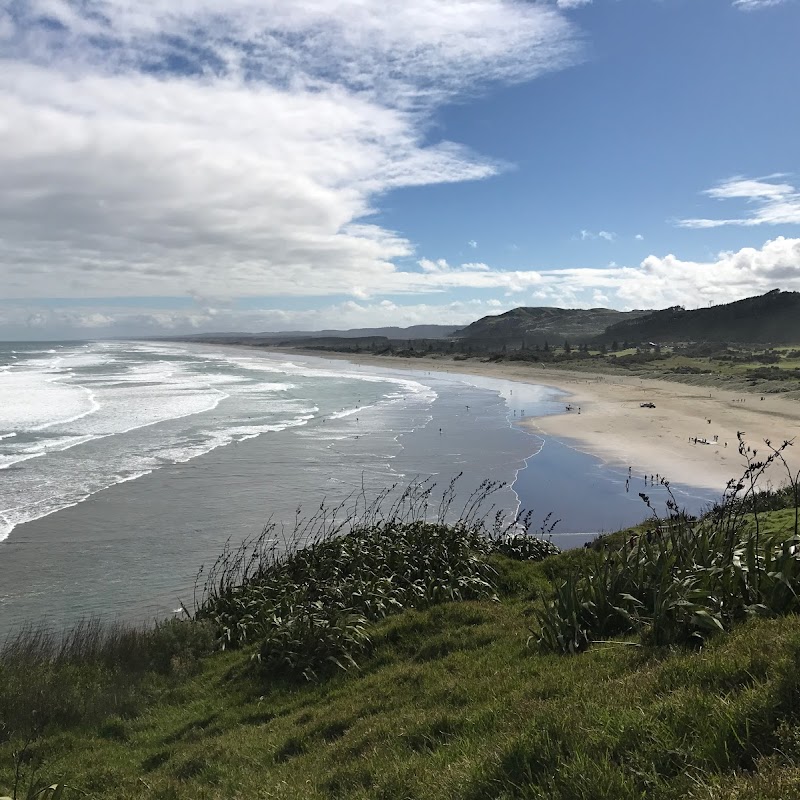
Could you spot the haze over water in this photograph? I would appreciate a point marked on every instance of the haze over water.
(124, 466)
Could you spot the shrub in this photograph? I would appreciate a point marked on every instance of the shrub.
(306, 600)
(524, 547)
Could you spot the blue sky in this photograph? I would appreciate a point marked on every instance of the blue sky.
(258, 165)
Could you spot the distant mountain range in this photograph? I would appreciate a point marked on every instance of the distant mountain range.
(412, 332)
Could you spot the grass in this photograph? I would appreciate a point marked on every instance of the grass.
(735, 368)
(450, 699)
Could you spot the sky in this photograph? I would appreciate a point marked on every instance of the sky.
(261, 165)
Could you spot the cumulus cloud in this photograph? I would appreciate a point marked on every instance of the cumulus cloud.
(472, 243)
(661, 281)
(239, 149)
(639, 237)
(771, 203)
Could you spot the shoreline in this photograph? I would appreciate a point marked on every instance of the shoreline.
(614, 427)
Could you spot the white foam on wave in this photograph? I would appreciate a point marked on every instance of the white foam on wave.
(26, 452)
(306, 371)
(36, 398)
(74, 408)
(139, 392)
(347, 412)
(138, 465)
(94, 406)
(266, 388)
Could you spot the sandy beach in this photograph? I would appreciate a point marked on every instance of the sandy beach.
(612, 425)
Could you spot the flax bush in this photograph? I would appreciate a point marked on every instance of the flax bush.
(684, 580)
(305, 600)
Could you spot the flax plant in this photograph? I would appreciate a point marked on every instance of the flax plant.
(305, 598)
(684, 580)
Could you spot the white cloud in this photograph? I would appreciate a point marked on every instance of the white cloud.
(7, 27)
(659, 281)
(745, 5)
(472, 243)
(774, 203)
(639, 237)
(77, 321)
(609, 236)
(253, 166)
(441, 275)
(754, 5)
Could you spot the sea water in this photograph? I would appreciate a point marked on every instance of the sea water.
(125, 466)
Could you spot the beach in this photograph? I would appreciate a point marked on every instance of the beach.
(607, 420)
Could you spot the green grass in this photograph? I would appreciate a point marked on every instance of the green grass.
(449, 700)
(741, 372)
(452, 704)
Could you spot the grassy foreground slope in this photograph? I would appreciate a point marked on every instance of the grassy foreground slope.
(454, 700)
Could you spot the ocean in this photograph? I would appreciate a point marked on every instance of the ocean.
(125, 466)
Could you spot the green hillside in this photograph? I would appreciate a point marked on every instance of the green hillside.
(535, 326)
(770, 318)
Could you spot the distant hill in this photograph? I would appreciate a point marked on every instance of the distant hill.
(412, 332)
(534, 326)
(772, 318)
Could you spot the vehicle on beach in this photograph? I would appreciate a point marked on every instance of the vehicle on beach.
(647, 405)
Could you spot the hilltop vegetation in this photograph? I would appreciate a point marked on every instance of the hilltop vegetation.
(771, 318)
(522, 327)
(684, 680)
